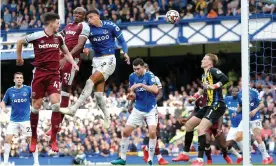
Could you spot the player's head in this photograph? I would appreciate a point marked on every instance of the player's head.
(209, 60)
(138, 66)
(79, 14)
(235, 91)
(51, 20)
(18, 78)
(93, 16)
(146, 66)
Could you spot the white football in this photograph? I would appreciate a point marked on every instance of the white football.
(172, 16)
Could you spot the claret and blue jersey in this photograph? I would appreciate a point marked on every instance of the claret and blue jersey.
(254, 100)
(145, 101)
(232, 104)
(103, 38)
(20, 102)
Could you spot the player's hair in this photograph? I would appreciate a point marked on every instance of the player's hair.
(50, 17)
(213, 58)
(138, 61)
(17, 73)
(95, 11)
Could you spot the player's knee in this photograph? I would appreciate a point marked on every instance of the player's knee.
(8, 139)
(152, 134)
(239, 137)
(188, 126)
(126, 133)
(55, 107)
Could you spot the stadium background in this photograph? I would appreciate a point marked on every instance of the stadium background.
(173, 53)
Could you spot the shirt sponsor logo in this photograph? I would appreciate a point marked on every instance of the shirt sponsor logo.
(48, 45)
(70, 32)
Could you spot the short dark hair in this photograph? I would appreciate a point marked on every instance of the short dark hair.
(17, 73)
(95, 11)
(138, 61)
(49, 17)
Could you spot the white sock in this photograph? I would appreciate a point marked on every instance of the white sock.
(159, 157)
(263, 150)
(234, 152)
(102, 104)
(35, 155)
(256, 143)
(86, 92)
(7, 149)
(123, 147)
(152, 145)
(240, 145)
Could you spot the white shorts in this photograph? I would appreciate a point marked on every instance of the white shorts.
(232, 133)
(252, 125)
(14, 128)
(256, 124)
(105, 64)
(136, 118)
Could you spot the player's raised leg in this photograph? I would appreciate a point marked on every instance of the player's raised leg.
(34, 116)
(102, 103)
(53, 89)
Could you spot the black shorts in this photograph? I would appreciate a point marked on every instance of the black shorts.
(214, 113)
(200, 112)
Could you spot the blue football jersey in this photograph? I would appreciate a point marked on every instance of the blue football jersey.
(232, 106)
(254, 99)
(103, 38)
(20, 102)
(145, 101)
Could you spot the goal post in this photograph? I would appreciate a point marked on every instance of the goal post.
(245, 79)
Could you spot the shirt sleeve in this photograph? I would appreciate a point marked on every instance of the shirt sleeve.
(61, 40)
(240, 98)
(219, 76)
(116, 31)
(85, 30)
(226, 100)
(131, 80)
(30, 92)
(257, 96)
(151, 79)
(158, 82)
(6, 97)
(32, 37)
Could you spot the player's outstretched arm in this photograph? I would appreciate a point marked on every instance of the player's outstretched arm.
(80, 45)
(69, 57)
(19, 47)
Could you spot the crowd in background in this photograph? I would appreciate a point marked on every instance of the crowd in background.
(24, 14)
(88, 135)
